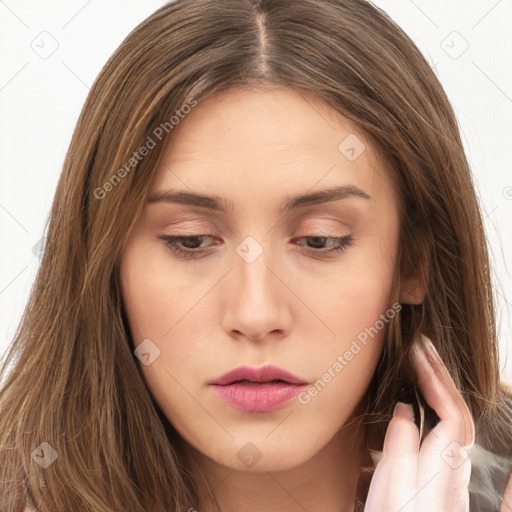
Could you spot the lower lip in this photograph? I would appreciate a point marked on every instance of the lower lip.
(258, 397)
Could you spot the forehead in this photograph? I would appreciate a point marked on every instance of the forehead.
(268, 141)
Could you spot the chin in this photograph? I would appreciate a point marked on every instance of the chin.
(257, 454)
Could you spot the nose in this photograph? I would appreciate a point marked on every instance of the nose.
(258, 300)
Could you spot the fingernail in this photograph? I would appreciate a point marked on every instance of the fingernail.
(430, 348)
(424, 346)
(404, 411)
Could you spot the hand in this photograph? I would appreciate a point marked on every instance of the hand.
(435, 476)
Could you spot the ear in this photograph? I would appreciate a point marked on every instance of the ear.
(412, 289)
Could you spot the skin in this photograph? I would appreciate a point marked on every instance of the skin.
(435, 475)
(292, 307)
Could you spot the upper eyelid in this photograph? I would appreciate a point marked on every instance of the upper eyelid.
(309, 234)
(317, 226)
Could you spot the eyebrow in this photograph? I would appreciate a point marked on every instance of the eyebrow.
(219, 204)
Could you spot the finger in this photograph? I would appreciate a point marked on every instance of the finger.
(440, 392)
(444, 466)
(444, 472)
(393, 484)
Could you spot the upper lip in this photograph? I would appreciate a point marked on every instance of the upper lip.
(257, 374)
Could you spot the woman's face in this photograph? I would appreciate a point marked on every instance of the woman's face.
(261, 282)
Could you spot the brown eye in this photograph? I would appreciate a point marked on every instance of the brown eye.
(185, 246)
(323, 244)
(191, 246)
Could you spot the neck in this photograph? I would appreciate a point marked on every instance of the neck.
(328, 481)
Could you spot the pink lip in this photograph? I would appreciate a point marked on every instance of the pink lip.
(260, 394)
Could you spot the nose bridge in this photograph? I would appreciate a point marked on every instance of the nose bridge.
(251, 271)
(257, 305)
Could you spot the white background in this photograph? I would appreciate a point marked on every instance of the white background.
(41, 97)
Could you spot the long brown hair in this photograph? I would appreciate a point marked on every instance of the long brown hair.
(74, 381)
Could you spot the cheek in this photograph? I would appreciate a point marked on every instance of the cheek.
(155, 300)
(355, 303)
(154, 296)
(357, 290)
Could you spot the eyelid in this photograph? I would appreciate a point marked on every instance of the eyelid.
(320, 228)
(191, 231)
(327, 233)
(316, 227)
(313, 214)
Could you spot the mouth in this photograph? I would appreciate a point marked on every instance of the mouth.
(258, 375)
(261, 389)
(245, 381)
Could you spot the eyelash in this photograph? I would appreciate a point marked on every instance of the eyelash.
(171, 241)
